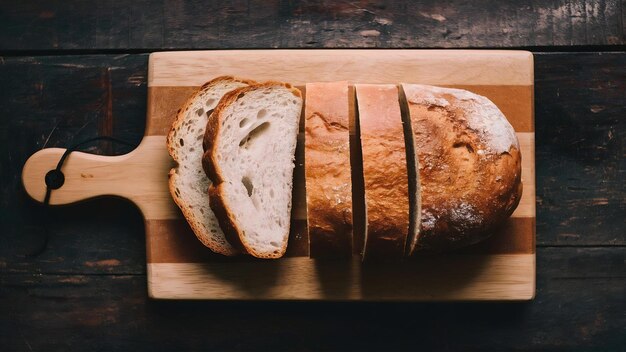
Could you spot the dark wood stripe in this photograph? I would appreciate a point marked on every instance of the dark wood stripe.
(105, 124)
(172, 241)
(516, 236)
(70, 25)
(513, 100)
(163, 104)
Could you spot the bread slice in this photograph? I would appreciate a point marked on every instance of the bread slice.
(327, 169)
(250, 144)
(469, 166)
(188, 183)
(384, 171)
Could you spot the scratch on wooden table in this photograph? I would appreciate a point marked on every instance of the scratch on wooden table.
(105, 125)
(383, 21)
(103, 263)
(370, 33)
(136, 79)
(86, 123)
(569, 235)
(27, 344)
(71, 65)
(596, 108)
(30, 348)
(435, 16)
(74, 280)
(362, 9)
(50, 134)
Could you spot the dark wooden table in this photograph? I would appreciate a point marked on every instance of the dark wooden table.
(71, 70)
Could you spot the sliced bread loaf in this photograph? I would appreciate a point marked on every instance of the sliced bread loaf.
(327, 169)
(384, 171)
(469, 166)
(188, 183)
(249, 155)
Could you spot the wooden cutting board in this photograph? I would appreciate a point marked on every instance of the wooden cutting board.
(179, 267)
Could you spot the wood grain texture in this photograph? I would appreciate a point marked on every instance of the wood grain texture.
(581, 149)
(194, 24)
(436, 67)
(444, 278)
(579, 307)
(141, 175)
(580, 290)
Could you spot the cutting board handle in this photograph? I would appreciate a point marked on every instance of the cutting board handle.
(86, 175)
(140, 175)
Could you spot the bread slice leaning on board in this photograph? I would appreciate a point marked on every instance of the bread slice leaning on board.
(249, 144)
(188, 183)
(327, 168)
(469, 163)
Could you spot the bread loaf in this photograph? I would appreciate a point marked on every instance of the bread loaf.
(469, 166)
(327, 169)
(188, 183)
(249, 144)
(441, 167)
(384, 171)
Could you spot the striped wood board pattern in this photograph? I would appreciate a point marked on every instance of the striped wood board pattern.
(179, 267)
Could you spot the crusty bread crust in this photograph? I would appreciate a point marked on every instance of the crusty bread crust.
(195, 223)
(469, 166)
(180, 114)
(212, 168)
(384, 171)
(327, 169)
(224, 217)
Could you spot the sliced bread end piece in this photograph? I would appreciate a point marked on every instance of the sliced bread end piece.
(469, 166)
(188, 183)
(250, 144)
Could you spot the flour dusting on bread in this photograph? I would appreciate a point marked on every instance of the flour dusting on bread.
(482, 115)
(469, 166)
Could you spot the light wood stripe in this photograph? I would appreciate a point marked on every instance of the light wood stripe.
(526, 207)
(439, 67)
(436, 278)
